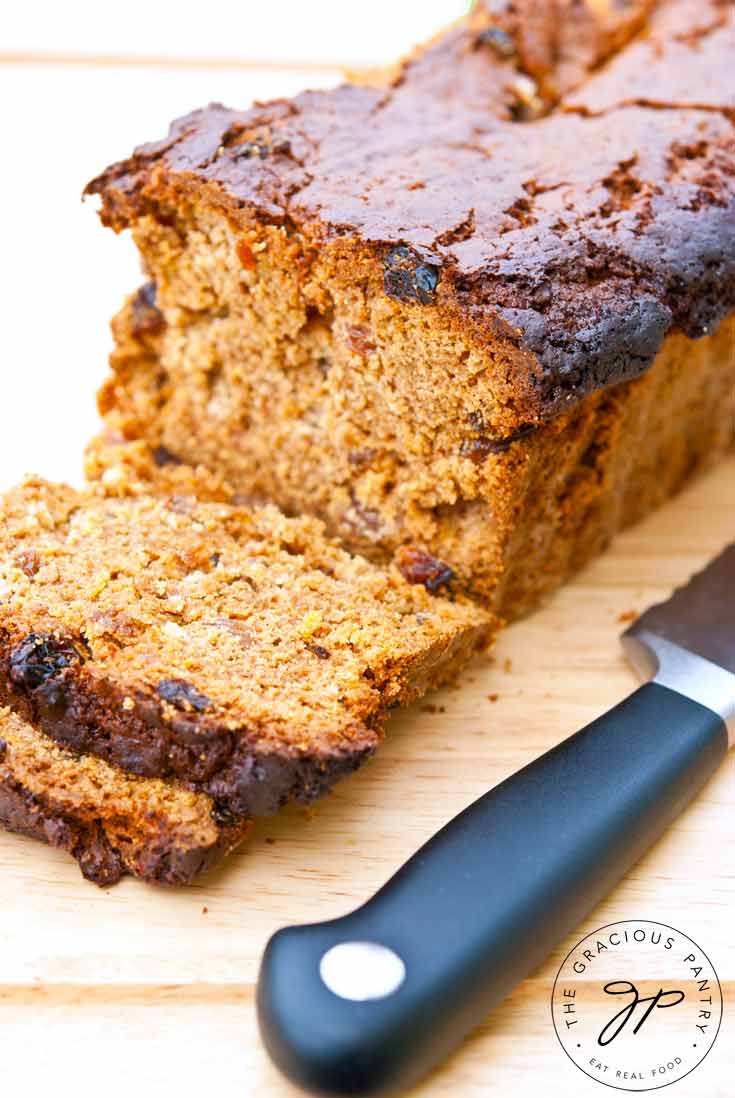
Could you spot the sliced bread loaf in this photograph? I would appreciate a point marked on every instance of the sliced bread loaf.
(233, 649)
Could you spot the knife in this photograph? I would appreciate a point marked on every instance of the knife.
(368, 1003)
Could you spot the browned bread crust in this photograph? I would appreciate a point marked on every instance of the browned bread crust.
(111, 823)
(563, 240)
(233, 649)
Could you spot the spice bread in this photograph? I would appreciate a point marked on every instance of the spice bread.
(534, 512)
(232, 649)
(483, 312)
(111, 823)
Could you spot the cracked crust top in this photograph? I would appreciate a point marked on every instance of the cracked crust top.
(562, 182)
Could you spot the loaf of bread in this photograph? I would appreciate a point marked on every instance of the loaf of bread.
(468, 320)
(483, 312)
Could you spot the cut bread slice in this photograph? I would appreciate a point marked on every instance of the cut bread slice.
(111, 823)
(233, 649)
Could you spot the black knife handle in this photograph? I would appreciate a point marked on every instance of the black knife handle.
(487, 898)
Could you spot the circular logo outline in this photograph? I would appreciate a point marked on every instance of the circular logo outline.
(647, 922)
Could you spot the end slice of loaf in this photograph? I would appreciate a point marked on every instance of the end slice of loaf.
(231, 648)
(111, 823)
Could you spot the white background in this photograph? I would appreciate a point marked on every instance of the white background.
(312, 30)
(80, 85)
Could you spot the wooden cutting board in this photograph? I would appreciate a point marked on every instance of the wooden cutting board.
(141, 987)
(136, 990)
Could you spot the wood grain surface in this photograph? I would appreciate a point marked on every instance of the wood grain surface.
(136, 990)
(138, 983)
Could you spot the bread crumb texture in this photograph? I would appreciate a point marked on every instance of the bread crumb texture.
(216, 643)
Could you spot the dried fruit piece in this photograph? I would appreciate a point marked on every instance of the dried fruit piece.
(321, 653)
(163, 456)
(418, 566)
(28, 561)
(407, 277)
(182, 695)
(223, 816)
(361, 459)
(249, 149)
(40, 657)
(478, 449)
(148, 320)
(359, 340)
(499, 41)
(245, 255)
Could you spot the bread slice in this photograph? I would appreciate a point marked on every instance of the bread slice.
(111, 823)
(233, 649)
(486, 311)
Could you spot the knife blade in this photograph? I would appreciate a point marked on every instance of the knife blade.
(688, 642)
(368, 1003)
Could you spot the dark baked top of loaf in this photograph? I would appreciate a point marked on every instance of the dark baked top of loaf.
(560, 175)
